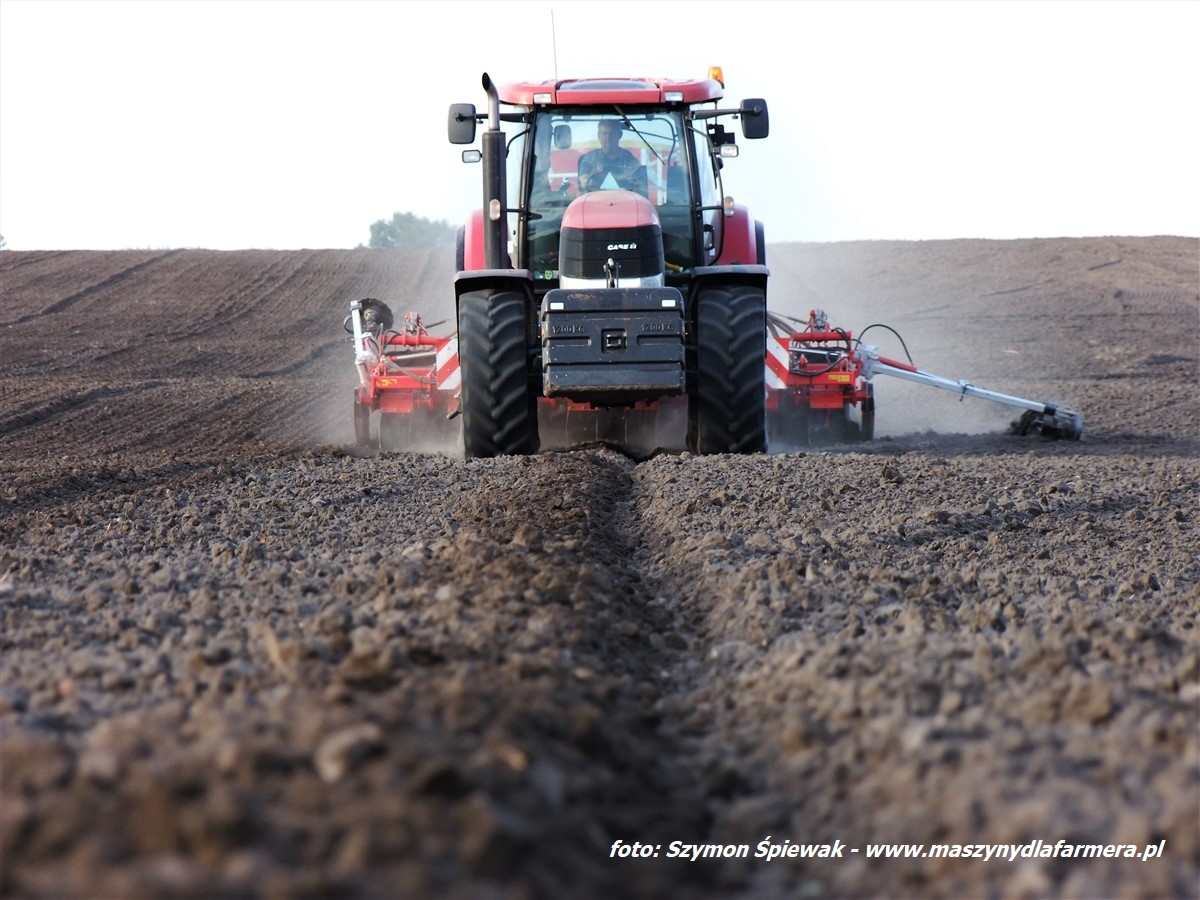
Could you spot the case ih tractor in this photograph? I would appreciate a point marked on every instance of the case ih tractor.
(609, 279)
(608, 289)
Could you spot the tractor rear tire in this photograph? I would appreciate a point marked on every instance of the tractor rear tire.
(727, 411)
(499, 412)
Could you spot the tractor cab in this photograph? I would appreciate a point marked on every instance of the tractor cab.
(552, 133)
(653, 157)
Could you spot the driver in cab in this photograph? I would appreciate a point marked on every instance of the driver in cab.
(611, 166)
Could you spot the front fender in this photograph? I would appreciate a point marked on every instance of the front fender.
(472, 255)
(494, 280)
(739, 239)
(735, 274)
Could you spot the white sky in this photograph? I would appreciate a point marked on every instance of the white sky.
(290, 124)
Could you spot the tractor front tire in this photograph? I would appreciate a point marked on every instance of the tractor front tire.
(727, 411)
(499, 413)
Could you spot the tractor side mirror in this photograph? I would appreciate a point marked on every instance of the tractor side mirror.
(755, 122)
(461, 123)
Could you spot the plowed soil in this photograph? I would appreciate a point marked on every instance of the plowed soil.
(242, 658)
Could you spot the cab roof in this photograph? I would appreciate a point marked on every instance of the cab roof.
(597, 91)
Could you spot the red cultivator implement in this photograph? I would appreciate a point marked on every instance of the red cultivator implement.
(814, 385)
(407, 375)
(819, 387)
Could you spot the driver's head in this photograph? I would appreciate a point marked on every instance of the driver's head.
(609, 132)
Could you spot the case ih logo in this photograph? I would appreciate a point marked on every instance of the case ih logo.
(632, 246)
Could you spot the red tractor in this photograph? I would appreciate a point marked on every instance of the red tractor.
(606, 274)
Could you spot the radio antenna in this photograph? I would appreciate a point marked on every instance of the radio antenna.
(554, 44)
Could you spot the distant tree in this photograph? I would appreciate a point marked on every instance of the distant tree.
(406, 230)
(3, 243)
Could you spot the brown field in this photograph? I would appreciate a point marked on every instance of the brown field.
(242, 658)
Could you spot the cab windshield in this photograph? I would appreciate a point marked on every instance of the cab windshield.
(577, 152)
